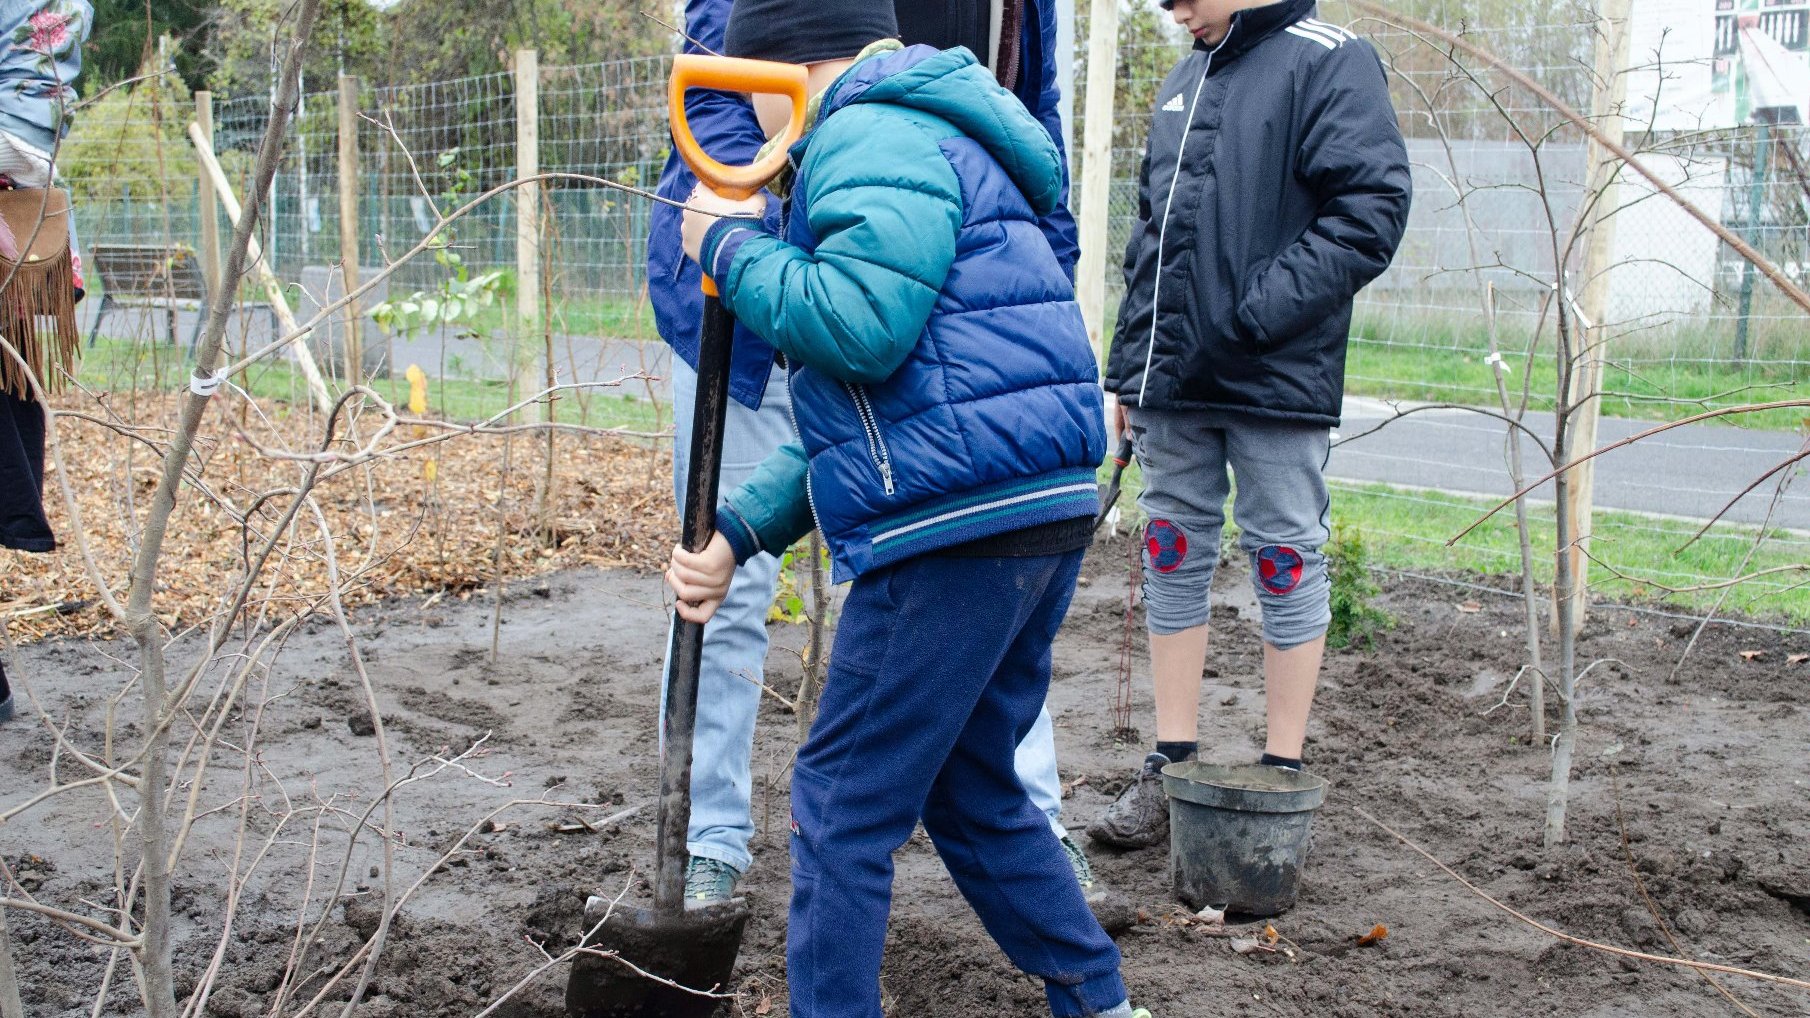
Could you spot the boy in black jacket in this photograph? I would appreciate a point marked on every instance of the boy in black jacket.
(1274, 187)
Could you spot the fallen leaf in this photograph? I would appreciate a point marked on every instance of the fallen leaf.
(1470, 607)
(1211, 916)
(765, 1006)
(1797, 659)
(1752, 655)
(1246, 945)
(417, 389)
(1377, 934)
(1270, 936)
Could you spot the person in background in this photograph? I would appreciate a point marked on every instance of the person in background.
(948, 408)
(1275, 185)
(760, 422)
(40, 58)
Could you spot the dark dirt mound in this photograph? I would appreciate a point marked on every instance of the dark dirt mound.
(1706, 773)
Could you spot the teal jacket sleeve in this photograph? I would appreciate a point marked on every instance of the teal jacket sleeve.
(771, 510)
(886, 208)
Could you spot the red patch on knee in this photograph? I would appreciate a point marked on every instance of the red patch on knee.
(1166, 545)
(1279, 568)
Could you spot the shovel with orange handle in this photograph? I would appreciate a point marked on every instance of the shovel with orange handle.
(669, 960)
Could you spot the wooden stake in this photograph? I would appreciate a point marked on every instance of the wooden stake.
(527, 197)
(1096, 175)
(1609, 95)
(260, 267)
(210, 218)
(348, 221)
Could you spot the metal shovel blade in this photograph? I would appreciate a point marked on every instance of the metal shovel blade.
(694, 949)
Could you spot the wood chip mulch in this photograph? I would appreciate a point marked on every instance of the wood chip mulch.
(401, 526)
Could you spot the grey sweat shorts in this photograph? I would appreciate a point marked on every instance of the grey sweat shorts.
(1281, 509)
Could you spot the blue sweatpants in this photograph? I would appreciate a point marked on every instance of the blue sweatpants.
(940, 667)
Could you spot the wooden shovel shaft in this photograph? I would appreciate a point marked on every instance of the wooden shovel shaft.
(686, 654)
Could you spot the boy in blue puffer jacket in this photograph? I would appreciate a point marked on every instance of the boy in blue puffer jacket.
(759, 422)
(949, 424)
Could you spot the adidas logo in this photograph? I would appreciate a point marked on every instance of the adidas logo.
(1174, 105)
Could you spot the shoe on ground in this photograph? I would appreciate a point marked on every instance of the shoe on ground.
(1139, 817)
(1112, 909)
(6, 699)
(709, 882)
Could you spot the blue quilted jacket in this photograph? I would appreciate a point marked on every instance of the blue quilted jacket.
(724, 124)
(941, 377)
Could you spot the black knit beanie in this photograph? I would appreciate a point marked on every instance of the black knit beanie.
(807, 31)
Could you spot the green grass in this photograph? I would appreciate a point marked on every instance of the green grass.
(1649, 377)
(1407, 529)
(119, 365)
(602, 317)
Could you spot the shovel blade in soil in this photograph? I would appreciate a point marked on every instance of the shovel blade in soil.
(695, 949)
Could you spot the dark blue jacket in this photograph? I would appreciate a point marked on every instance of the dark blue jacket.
(942, 383)
(724, 125)
(1274, 187)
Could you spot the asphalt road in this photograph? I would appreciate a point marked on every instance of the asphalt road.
(1690, 471)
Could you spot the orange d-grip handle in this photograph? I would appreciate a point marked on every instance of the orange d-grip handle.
(733, 74)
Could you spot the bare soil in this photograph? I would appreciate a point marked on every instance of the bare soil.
(1706, 771)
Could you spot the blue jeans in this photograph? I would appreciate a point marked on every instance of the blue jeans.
(941, 666)
(735, 641)
(735, 647)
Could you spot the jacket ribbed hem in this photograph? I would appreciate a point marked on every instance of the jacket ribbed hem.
(1129, 400)
(969, 516)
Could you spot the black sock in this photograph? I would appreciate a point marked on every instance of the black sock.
(1268, 760)
(1178, 751)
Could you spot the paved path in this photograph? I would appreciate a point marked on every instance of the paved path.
(1691, 471)
(1688, 472)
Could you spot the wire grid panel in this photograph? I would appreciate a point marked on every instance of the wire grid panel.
(131, 172)
(602, 120)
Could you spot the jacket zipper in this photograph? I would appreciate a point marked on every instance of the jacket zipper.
(876, 442)
(1156, 285)
(792, 408)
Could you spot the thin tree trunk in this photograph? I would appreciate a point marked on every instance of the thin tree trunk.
(547, 529)
(155, 955)
(812, 687)
(1529, 591)
(10, 1004)
(1558, 790)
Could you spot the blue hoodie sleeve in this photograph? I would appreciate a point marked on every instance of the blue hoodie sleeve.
(1039, 87)
(725, 126)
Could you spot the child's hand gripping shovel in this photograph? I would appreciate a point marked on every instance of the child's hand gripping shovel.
(693, 949)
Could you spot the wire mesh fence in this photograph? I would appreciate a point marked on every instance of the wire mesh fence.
(1501, 184)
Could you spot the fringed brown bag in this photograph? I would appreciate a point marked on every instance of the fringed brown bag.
(37, 303)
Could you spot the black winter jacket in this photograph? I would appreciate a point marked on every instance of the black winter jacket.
(1274, 187)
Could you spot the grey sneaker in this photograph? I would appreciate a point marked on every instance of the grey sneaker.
(1110, 908)
(1139, 817)
(708, 881)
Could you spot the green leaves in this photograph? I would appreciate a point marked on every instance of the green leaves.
(454, 305)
